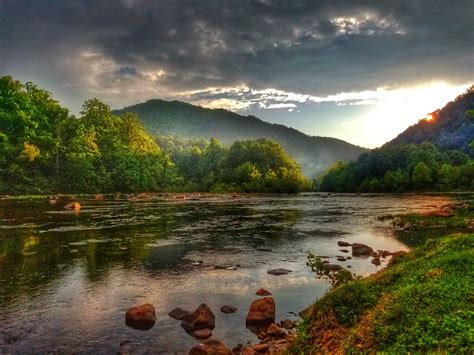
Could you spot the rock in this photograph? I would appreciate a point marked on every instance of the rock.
(263, 292)
(408, 226)
(332, 267)
(210, 347)
(237, 349)
(261, 348)
(395, 256)
(341, 258)
(248, 350)
(344, 250)
(142, 317)
(262, 311)
(201, 318)
(376, 261)
(307, 312)
(384, 253)
(275, 331)
(178, 313)
(202, 334)
(287, 323)
(359, 249)
(343, 244)
(228, 309)
(279, 271)
(397, 222)
(73, 206)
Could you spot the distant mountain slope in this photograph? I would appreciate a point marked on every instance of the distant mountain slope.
(451, 128)
(314, 154)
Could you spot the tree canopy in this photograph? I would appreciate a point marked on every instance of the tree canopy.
(43, 148)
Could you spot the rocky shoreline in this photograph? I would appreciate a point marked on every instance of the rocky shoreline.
(275, 336)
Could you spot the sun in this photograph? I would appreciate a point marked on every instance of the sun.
(429, 117)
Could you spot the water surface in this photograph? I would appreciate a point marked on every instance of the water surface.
(67, 278)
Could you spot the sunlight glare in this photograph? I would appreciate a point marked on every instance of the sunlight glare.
(395, 110)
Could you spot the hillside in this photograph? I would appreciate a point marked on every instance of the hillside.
(314, 154)
(451, 127)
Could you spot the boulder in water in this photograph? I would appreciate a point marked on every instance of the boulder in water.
(262, 311)
(359, 249)
(141, 317)
(201, 318)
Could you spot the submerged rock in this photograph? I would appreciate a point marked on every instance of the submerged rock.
(210, 347)
(359, 249)
(141, 317)
(178, 313)
(262, 311)
(279, 271)
(228, 309)
(202, 334)
(76, 206)
(343, 244)
(262, 292)
(376, 261)
(201, 318)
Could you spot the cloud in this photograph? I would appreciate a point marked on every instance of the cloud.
(130, 50)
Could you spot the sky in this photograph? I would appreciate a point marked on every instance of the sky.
(357, 70)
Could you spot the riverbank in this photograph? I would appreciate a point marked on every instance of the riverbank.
(423, 301)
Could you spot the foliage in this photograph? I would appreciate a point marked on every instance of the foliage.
(334, 276)
(403, 167)
(248, 166)
(45, 149)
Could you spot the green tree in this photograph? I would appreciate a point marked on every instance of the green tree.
(421, 176)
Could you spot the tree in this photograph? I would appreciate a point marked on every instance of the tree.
(421, 176)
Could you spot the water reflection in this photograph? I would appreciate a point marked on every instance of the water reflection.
(67, 278)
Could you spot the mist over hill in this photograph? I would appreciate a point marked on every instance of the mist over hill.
(314, 154)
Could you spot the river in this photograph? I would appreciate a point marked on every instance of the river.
(67, 278)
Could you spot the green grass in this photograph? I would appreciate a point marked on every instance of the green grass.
(423, 302)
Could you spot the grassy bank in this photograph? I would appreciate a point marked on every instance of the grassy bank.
(424, 301)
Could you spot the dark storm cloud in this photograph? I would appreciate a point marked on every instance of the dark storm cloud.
(126, 50)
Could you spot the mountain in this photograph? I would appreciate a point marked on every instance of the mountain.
(452, 127)
(314, 154)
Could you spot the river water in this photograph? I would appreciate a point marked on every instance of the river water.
(67, 278)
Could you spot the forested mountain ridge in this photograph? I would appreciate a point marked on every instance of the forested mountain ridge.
(451, 127)
(45, 149)
(314, 154)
